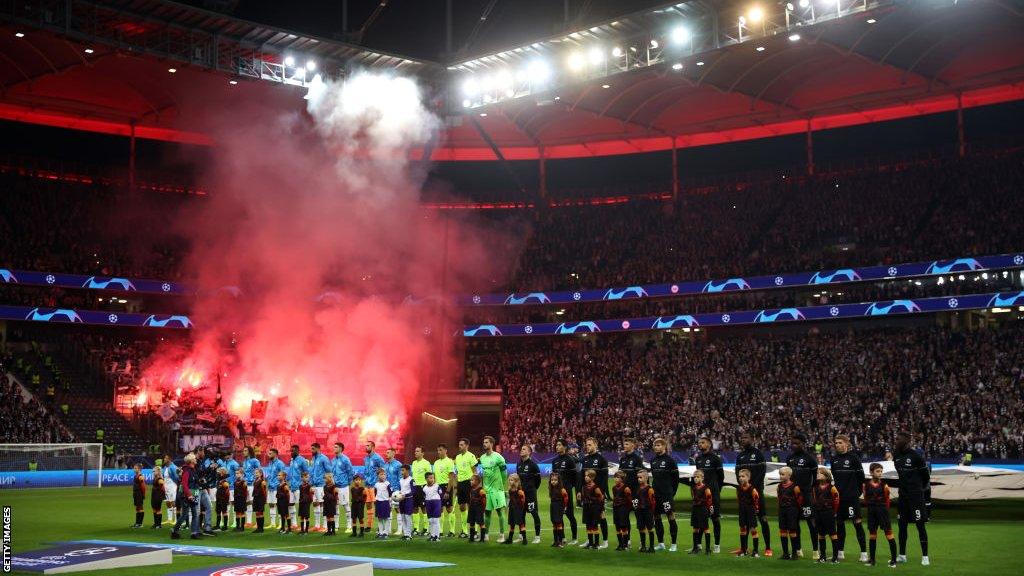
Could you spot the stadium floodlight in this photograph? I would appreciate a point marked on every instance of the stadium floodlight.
(755, 14)
(606, 86)
(680, 35)
(794, 37)
(470, 87)
(310, 65)
(760, 48)
(19, 34)
(872, 20)
(172, 70)
(790, 7)
(88, 50)
(467, 103)
(289, 61)
(487, 84)
(654, 43)
(233, 82)
(617, 52)
(576, 62)
(805, 3)
(596, 56)
(677, 66)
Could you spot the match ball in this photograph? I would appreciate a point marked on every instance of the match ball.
(396, 497)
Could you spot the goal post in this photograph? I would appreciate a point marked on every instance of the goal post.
(51, 465)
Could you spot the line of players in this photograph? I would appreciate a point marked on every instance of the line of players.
(823, 499)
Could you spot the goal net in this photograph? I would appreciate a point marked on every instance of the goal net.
(50, 465)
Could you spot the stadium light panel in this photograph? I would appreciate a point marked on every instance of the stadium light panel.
(504, 79)
(680, 35)
(466, 103)
(310, 65)
(617, 52)
(760, 48)
(606, 86)
(483, 114)
(654, 43)
(19, 34)
(794, 37)
(805, 3)
(470, 88)
(486, 84)
(172, 70)
(677, 66)
(755, 14)
(289, 61)
(596, 56)
(700, 63)
(88, 50)
(232, 82)
(872, 20)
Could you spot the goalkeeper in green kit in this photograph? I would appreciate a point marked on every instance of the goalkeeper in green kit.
(495, 480)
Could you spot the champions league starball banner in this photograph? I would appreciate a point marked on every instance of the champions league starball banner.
(95, 317)
(793, 280)
(752, 317)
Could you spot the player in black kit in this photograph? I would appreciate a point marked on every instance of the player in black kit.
(848, 475)
(565, 466)
(805, 472)
(915, 491)
(714, 476)
(631, 462)
(752, 459)
(665, 474)
(593, 460)
(529, 477)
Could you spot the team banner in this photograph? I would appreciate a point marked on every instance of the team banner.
(99, 317)
(746, 317)
(821, 277)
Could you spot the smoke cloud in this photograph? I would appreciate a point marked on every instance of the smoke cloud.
(315, 218)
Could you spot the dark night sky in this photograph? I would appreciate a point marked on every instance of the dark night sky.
(417, 27)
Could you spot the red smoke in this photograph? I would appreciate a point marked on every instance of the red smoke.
(315, 218)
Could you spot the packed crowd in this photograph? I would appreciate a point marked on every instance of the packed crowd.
(933, 210)
(22, 418)
(960, 390)
(59, 227)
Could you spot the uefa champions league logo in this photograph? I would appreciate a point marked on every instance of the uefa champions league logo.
(528, 329)
(50, 279)
(476, 298)
(166, 287)
(892, 271)
(726, 318)
(834, 311)
(778, 280)
(1018, 259)
(576, 295)
(91, 551)
(112, 318)
(674, 289)
(625, 324)
(953, 302)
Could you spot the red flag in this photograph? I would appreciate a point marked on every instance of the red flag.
(258, 410)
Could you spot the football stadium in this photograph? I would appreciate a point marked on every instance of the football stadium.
(345, 287)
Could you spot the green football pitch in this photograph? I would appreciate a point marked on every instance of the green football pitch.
(980, 537)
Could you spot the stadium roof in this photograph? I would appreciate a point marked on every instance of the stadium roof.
(896, 60)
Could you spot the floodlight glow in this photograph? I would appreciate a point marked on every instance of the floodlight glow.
(172, 70)
(503, 79)
(872, 20)
(596, 56)
(654, 43)
(88, 50)
(538, 72)
(232, 82)
(805, 3)
(794, 37)
(755, 15)
(470, 88)
(19, 34)
(677, 66)
(576, 62)
(680, 35)
(617, 52)
(789, 6)
(310, 65)
(289, 61)
(760, 48)
(466, 103)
